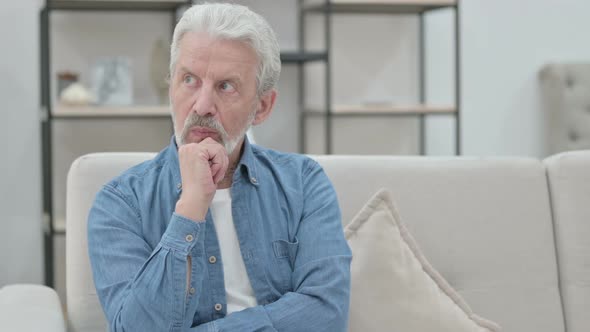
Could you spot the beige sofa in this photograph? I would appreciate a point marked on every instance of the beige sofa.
(511, 235)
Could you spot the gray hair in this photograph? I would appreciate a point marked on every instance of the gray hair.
(233, 22)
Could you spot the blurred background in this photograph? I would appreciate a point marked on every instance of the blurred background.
(471, 77)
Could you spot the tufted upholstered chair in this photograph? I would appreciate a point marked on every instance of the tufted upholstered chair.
(565, 90)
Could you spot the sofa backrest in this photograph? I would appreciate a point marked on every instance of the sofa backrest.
(86, 177)
(569, 186)
(484, 224)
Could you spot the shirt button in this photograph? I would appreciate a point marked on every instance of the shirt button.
(212, 259)
(179, 186)
(218, 307)
(192, 290)
(253, 179)
(189, 238)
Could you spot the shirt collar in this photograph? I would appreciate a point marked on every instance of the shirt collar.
(247, 162)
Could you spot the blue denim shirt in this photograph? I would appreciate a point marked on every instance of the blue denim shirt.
(290, 235)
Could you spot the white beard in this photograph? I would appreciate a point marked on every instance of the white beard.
(194, 119)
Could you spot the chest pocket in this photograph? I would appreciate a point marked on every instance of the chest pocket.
(285, 253)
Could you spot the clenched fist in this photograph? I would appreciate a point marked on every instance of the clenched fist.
(202, 166)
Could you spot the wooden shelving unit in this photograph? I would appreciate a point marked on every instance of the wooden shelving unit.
(422, 108)
(51, 111)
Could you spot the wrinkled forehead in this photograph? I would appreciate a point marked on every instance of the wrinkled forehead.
(198, 49)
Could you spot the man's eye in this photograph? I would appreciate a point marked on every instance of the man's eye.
(188, 79)
(226, 87)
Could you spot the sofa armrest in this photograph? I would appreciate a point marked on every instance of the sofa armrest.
(30, 308)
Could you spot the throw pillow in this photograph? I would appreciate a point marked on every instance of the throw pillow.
(394, 288)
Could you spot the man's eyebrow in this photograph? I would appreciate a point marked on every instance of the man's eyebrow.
(186, 70)
(232, 78)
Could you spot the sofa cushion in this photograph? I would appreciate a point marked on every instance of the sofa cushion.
(393, 285)
(569, 185)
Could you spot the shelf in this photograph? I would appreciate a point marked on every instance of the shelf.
(298, 57)
(384, 110)
(381, 6)
(116, 5)
(67, 112)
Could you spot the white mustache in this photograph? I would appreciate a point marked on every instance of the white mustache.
(203, 121)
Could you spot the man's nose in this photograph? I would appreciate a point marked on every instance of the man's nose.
(205, 104)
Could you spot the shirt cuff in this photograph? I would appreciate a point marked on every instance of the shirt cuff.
(182, 234)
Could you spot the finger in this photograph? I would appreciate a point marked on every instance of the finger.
(216, 172)
(217, 161)
(223, 165)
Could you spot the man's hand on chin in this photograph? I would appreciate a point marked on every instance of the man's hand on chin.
(202, 166)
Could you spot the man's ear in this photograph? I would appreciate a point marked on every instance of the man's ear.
(265, 106)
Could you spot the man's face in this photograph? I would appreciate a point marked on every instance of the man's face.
(213, 90)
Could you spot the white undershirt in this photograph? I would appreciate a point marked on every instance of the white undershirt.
(238, 290)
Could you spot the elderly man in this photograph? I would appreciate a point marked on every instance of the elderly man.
(214, 233)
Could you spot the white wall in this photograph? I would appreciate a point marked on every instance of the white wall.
(440, 79)
(505, 43)
(21, 257)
